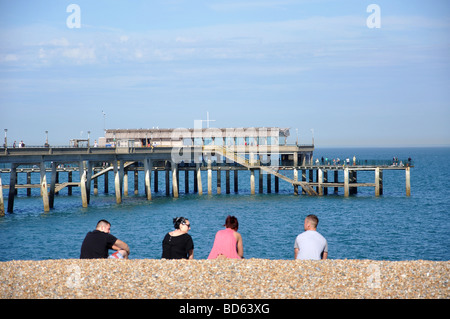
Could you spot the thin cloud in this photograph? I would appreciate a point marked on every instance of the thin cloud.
(248, 5)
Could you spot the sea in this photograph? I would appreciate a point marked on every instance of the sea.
(390, 227)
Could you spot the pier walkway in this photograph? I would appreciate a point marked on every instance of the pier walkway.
(92, 163)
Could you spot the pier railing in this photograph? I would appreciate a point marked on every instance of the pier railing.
(366, 162)
(241, 160)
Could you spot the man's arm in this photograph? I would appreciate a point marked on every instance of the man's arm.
(325, 251)
(295, 253)
(120, 245)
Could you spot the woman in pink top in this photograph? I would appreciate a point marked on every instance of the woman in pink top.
(228, 242)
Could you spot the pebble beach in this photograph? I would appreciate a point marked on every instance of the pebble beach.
(223, 279)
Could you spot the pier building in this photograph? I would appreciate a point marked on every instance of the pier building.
(196, 136)
(261, 151)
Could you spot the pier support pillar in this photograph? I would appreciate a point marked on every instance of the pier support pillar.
(118, 178)
(69, 179)
(106, 183)
(381, 182)
(155, 183)
(320, 181)
(136, 182)
(236, 187)
(148, 178)
(174, 179)
(178, 179)
(12, 187)
(252, 181)
(2, 204)
(44, 188)
(377, 181)
(408, 181)
(195, 181)
(336, 180)
(269, 183)
(82, 171)
(209, 176)
(277, 184)
(295, 179)
(227, 181)
(260, 181)
(28, 182)
(303, 180)
(95, 186)
(325, 180)
(167, 178)
(52, 186)
(125, 183)
(354, 180)
(88, 180)
(346, 188)
(219, 181)
(186, 181)
(16, 190)
(199, 179)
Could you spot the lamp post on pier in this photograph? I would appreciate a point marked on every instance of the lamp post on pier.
(46, 139)
(6, 139)
(104, 123)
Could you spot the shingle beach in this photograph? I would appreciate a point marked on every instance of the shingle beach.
(212, 279)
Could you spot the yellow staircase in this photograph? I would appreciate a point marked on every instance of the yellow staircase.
(232, 155)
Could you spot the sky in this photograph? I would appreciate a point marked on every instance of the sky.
(343, 71)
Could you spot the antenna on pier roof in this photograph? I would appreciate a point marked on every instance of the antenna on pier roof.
(207, 120)
(104, 122)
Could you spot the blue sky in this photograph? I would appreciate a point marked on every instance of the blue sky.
(301, 64)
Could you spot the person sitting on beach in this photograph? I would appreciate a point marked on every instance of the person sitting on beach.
(97, 243)
(178, 244)
(310, 244)
(228, 242)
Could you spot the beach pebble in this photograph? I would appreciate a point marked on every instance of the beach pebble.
(248, 278)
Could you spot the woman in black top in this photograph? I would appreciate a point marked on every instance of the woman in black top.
(178, 244)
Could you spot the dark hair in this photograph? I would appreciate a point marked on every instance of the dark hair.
(231, 222)
(177, 221)
(103, 221)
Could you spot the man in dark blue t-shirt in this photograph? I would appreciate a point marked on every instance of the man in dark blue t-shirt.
(97, 243)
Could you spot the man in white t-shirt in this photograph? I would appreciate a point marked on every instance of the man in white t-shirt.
(311, 244)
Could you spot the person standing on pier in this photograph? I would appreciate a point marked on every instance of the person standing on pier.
(310, 244)
(97, 243)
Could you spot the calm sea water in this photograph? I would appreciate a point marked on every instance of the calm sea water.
(390, 227)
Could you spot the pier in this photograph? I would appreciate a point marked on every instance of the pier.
(257, 150)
